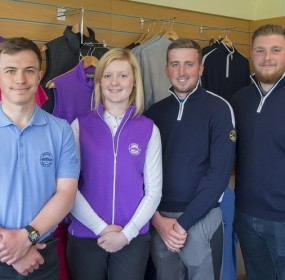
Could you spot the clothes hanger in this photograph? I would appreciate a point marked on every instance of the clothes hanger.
(160, 32)
(226, 41)
(89, 60)
(170, 33)
(50, 84)
(76, 29)
(149, 34)
(44, 48)
(211, 41)
(142, 37)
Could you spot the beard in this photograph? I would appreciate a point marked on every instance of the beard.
(269, 78)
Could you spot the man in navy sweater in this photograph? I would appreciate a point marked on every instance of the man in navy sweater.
(198, 141)
(260, 176)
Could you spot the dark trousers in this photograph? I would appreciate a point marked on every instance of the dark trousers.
(47, 271)
(262, 244)
(88, 261)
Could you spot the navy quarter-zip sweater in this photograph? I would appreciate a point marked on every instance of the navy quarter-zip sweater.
(260, 168)
(197, 152)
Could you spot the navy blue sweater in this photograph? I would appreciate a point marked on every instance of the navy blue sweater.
(225, 71)
(260, 169)
(197, 152)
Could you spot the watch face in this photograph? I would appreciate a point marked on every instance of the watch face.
(34, 236)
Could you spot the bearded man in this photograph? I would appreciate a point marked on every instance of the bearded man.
(260, 192)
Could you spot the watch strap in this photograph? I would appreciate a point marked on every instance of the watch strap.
(34, 235)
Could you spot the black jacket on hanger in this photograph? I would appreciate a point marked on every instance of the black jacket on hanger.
(64, 53)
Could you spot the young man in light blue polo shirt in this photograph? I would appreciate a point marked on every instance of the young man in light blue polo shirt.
(38, 168)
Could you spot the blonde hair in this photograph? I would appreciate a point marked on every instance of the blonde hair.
(137, 95)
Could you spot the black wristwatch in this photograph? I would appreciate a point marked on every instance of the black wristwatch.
(34, 235)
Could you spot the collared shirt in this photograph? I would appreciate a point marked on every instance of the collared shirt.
(31, 160)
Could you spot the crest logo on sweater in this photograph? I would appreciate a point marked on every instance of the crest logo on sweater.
(46, 159)
(134, 149)
(233, 135)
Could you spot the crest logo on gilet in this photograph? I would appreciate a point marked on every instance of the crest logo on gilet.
(134, 149)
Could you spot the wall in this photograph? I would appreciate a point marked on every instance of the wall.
(245, 9)
(257, 23)
(238, 9)
(264, 9)
(117, 22)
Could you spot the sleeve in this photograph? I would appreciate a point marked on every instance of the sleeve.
(216, 179)
(84, 213)
(68, 166)
(82, 210)
(153, 187)
(75, 128)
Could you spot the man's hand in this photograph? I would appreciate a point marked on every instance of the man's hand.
(31, 261)
(14, 245)
(179, 228)
(173, 237)
(113, 241)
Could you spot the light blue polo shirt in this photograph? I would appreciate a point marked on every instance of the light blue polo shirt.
(31, 160)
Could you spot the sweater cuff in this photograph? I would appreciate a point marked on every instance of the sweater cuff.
(130, 231)
(98, 228)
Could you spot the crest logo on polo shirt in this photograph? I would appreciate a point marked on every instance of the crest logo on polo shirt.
(46, 159)
(134, 149)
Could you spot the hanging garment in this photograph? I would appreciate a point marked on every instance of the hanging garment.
(153, 62)
(225, 71)
(73, 92)
(64, 53)
(151, 57)
(138, 49)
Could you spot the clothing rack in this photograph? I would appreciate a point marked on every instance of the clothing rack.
(143, 20)
(62, 12)
(228, 29)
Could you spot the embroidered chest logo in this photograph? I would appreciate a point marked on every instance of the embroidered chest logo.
(134, 149)
(233, 135)
(46, 159)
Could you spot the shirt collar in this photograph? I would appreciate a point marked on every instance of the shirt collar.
(107, 115)
(36, 119)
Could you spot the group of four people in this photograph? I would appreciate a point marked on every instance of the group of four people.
(147, 182)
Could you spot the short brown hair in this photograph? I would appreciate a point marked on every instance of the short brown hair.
(268, 29)
(17, 44)
(187, 44)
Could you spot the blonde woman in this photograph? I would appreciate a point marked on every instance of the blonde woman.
(121, 176)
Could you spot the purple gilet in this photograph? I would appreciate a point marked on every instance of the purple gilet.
(73, 92)
(112, 179)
